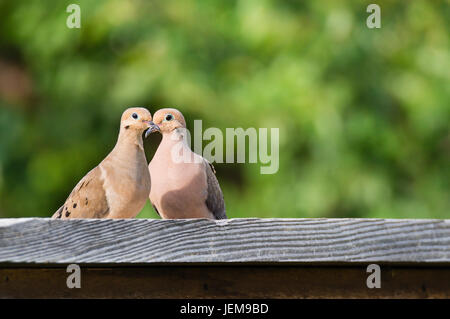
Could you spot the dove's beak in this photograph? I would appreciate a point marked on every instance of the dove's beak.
(153, 128)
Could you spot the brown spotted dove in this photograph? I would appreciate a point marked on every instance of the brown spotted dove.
(120, 185)
(185, 188)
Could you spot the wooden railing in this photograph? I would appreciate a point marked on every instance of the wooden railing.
(235, 258)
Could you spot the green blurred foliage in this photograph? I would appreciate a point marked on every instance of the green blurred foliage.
(363, 114)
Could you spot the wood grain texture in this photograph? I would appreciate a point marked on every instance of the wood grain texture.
(146, 241)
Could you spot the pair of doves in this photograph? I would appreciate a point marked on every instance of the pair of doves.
(120, 185)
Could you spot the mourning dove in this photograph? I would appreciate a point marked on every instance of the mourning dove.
(182, 189)
(120, 185)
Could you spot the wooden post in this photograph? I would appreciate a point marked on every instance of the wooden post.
(236, 258)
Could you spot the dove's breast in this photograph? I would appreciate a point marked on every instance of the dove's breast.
(179, 190)
(127, 185)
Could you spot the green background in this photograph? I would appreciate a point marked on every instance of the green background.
(363, 113)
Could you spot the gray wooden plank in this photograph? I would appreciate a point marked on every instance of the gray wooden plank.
(147, 241)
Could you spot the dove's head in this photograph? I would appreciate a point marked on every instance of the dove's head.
(169, 120)
(138, 120)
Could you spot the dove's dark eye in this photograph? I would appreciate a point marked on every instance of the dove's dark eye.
(169, 117)
(135, 116)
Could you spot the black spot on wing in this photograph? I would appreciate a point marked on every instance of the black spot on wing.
(58, 213)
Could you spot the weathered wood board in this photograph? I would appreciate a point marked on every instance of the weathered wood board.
(237, 258)
(145, 241)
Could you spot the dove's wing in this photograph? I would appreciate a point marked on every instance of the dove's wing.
(87, 199)
(214, 200)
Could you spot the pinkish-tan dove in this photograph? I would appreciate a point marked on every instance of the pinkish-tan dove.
(184, 184)
(120, 185)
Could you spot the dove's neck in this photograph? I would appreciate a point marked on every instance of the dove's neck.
(175, 145)
(129, 145)
(176, 137)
